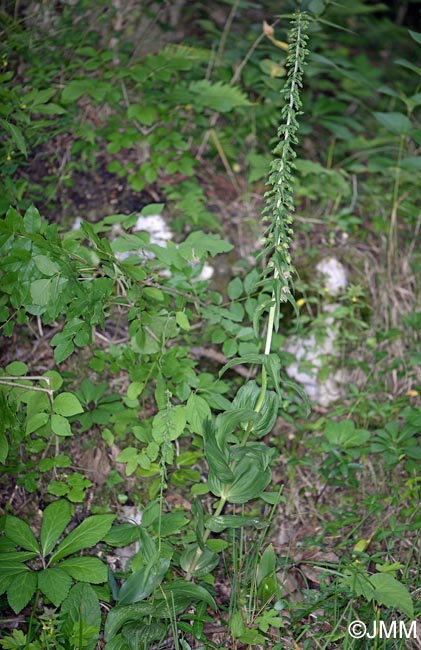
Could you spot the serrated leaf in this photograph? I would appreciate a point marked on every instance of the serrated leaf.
(56, 517)
(75, 89)
(87, 534)
(135, 389)
(32, 220)
(63, 350)
(345, 435)
(46, 265)
(20, 533)
(197, 412)
(67, 404)
(12, 563)
(395, 122)
(122, 535)
(85, 569)
(21, 589)
(36, 97)
(144, 114)
(169, 424)
(182, 320)
(198, 244)
(16, 135)
(55, 584)
(218, 96)
(41, 291)
(392, 593)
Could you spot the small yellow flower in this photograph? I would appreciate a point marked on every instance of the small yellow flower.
(8, 157)
(23, 105)
(412, 393)
(354, 299)
(300, 302)
(5, 63)
(47, 628)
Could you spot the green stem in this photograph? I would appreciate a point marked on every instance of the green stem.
(280, 206)
(193, 565)
(32, 618)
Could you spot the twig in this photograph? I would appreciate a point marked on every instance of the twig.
(214, 355)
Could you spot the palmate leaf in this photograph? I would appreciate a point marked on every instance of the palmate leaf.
(20, 533)
(87, 534)
(56, 517)
(87, 569)
(55, 584)
(20, 590)
(12, 563)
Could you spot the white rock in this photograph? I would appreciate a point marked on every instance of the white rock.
(132, 515)
(311, 351)
(155, 225)
(77, 223)
(335, 275)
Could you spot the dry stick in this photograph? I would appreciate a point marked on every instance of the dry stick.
(214, 118)
(223, 157)
(226, 31)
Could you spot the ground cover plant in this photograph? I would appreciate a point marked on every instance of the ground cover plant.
(166, 483)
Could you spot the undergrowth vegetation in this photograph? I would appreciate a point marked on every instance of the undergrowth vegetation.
(209, 462)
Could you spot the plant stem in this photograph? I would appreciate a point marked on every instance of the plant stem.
(394, 212)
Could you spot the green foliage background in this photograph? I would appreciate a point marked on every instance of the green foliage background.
(127, 379)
